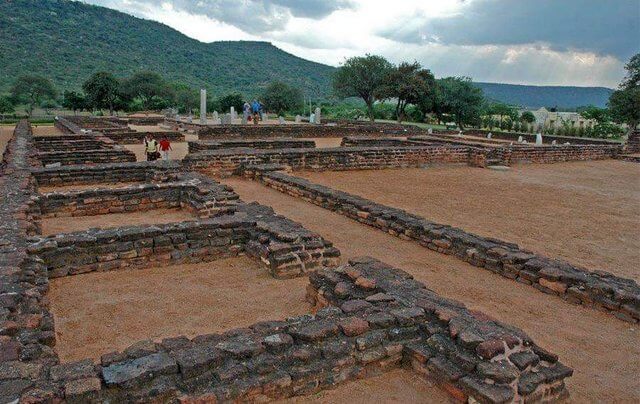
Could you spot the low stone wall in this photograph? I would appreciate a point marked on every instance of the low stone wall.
(599, 289)
(558, 153)
(375, 318)
(105, 173)
(633, 143)
(285, 247)
(297, 130)
(356, 141)
(198, 146)
(68, 143)
(138, 137)
(340, 158)
(196, 193)
(531, 138)
(96, 156)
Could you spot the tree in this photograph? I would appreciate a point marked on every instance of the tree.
(528, 117)
(599, 115)
(280, 97)
(101, 91)
(32, 90)
(364, 77)
(408, 83)
(6, 106)
(73, 101)
(503, 110)
(144, 87)
(234, 100)
(186, 98)
(461, 99)
(624, 103)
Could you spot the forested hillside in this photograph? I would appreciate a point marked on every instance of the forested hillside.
(67, 41)
(546, 96)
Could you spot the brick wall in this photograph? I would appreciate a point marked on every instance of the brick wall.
(105, 173)
(341, 158)
(198, 146)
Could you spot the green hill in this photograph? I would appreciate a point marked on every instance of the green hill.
(546, 96)
(67, 41)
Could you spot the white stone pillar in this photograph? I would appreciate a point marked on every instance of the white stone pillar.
(318, 118)
(203, 106)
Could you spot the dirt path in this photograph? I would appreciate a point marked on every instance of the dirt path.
(397, 386)
(101, 312)
(604, 351)
(71, 224)
(587, 213)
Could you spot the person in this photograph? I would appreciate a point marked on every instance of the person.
(165, 146)
(261, 111)
(255, 107)
(246, 112)
(151, 148)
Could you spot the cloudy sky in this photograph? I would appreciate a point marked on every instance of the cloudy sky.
(541, 42)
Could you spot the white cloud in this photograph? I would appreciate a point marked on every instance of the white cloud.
(330, 31)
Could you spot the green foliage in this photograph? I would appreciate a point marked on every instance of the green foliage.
(234, 100)
(599, 115)
(101, 91)
(528, 117)
(624, 103)
(460, 98)
(32, 90)
(148, 89)
(280, 97)
(6, 105)
(364, 77)
(186, 99)
(503, 111)
(68, 41)
(409, 84)
(74, 101)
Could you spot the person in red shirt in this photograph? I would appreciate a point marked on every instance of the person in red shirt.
(165, 146)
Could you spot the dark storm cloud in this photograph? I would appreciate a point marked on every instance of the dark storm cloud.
(604, 27)
(252, 16)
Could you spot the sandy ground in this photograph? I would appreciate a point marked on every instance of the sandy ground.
(604, 351)
(149, 128)
(179, 150)
(46, 130)
(587, 213)
(324, 142)
(79, 187)
(57, 225)
(6, 133)
(101, 312)
(397, 386)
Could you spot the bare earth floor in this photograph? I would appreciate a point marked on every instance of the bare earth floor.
(587, 213)
(101, 312)
(179, 150)
(603, 350)
(57, 225)
(397, 386)
(46, 130)
(324, 142)
(6, 133)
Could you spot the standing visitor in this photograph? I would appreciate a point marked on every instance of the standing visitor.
(151, 148)
(255, 107)
(261, 111)
(165, 146)
(246, 111)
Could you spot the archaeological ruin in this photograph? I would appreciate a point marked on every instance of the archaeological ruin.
(264, 263)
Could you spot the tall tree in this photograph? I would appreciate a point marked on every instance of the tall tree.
(6, 106)
(74, 101)
(624, 103)
(461, 99)
(364, 77)
(234, 100)
(32, 90)
(144, 87)
(280, 97)
(503, 110)
(408, 83)
(101, 90)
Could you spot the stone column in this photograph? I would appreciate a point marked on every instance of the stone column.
(317, 114)
(203, 106)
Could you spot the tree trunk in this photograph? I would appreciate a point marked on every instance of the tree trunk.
(370, 111)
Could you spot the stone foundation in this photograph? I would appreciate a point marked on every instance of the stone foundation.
(598, 289)
(106, 173)
(342, 158)
(198, 146)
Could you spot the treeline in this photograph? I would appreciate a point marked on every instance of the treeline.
(416, 95)
(143, 91)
